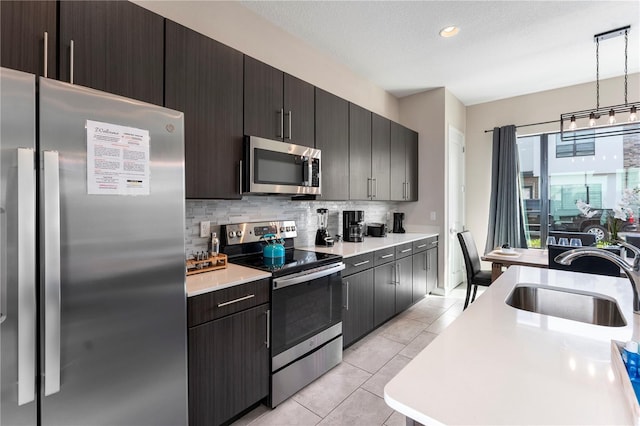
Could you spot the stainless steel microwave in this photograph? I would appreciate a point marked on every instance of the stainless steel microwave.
(272, 167)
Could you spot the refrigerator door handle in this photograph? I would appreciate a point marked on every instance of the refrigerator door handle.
(51, 234)
(26, 276)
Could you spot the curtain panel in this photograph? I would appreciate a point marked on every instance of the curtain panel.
(506, 224)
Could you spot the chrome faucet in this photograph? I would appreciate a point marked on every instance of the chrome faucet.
(632, 271)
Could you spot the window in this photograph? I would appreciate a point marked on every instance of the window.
(558, 177)
(576, 147)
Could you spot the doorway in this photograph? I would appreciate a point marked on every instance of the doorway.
(455, 208)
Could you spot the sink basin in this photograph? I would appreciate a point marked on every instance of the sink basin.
(590, 308)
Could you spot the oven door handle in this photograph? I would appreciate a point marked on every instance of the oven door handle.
(281, 283)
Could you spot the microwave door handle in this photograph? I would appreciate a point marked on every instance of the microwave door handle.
(309, 172)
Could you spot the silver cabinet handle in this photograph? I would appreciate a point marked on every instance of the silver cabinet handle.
(289, 114)
(346, 306)
(240, 177)
(405, 250)
(427, 261)
(421, 246)
(386, 256)
(281, 113)
(26, 276)
(268, 341)
(408, 190)
(71, 62)
(240, 299)
(368, 187)
(404, 190)
(395, 273)
(434, 243)
(375, 187)
(361, 263)
(46, 54)
(51, 234)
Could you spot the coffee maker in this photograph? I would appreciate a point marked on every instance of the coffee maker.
(397, 223)
(353, 226)
(322, 235)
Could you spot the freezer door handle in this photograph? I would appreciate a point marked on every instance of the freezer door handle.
(26, 276)
(51, 235)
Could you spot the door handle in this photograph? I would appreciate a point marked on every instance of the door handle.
(346, 306)
(281, 114)
(268, 341)
(288, 114)
(71, 62)
(51, 234)
(46, 55)
(26, 276)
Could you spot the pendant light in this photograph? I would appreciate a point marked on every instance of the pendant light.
(570, 122)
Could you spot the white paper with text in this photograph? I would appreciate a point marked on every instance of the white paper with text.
(117, 159)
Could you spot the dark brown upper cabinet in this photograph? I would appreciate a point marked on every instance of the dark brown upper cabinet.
(113, 46)
(360, 182)
(332, 138)
(277, 105)
(369, 144)
(204, 80)
(23, 25)
(380, 157)
(404, 163)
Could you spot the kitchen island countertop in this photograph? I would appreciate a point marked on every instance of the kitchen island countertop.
(347, 249)
(222, 278)
(496, 364)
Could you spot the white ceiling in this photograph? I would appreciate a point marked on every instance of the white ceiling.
(504, 48)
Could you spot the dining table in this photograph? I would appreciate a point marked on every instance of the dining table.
(519, 256)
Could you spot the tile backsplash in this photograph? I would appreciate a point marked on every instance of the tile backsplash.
(265, 208)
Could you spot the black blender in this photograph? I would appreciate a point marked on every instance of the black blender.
(322, 235)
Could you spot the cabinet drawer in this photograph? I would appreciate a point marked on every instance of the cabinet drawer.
(358, 263)
(220, 303)
(384, 255)
(404, 250)
(420, 245)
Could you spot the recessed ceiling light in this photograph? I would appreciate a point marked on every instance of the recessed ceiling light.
(449, 31)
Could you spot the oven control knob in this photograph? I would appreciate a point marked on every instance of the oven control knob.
(238, 234)
(293, 228)
(282, 229)
(232, 234)
(288, 228)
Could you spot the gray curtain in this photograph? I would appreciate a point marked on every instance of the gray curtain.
(505, 210)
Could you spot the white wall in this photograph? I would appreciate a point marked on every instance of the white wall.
(533, 108)
(242, 29)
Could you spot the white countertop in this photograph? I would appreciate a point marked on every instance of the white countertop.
(499, 365)
(222, 278)
(346, 249)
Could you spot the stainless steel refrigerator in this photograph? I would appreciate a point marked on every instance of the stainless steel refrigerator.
(93, 306)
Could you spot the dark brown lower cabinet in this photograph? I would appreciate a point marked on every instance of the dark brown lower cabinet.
(228, 366)
(357, 311)
(384, 293)
(420, 265)
(404, 288)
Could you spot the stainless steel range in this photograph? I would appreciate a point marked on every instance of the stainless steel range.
(306, 304)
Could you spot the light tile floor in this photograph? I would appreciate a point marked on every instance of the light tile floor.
(352, 393)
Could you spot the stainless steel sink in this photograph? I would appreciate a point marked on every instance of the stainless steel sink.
(585, 307)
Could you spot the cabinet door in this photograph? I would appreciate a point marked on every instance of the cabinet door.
(404, 289)
(228, 366)
(332, 138)
(359, 153)
(380, 157)
(118, 48)
(420, 263)
(204, 80)
(432, 269)
(357, 313)
(384, 306)
(263, 102)
(299, 111)
(22, 28)
(398, 163)
(411, 165)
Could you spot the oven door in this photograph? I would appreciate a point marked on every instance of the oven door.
(303, 306)
(280, 168)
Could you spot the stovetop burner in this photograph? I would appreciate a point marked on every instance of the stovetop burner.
(294, 261)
